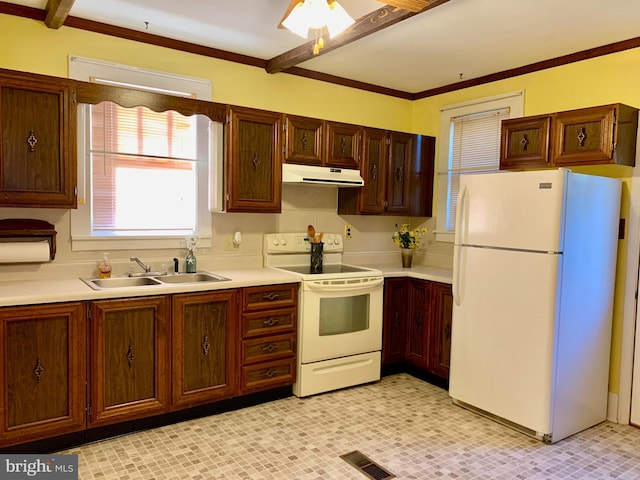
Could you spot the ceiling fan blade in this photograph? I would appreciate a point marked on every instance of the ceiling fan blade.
(287, 12)
(411, 5)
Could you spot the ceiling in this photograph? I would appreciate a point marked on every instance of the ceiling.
(456, 41)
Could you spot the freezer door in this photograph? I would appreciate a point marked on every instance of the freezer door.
(503, 334)
(520, 210)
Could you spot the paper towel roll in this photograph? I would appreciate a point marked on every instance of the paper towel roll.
(24, 252)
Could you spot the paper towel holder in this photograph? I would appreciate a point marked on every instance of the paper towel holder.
(26, 229)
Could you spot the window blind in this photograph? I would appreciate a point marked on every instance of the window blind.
(474, 148)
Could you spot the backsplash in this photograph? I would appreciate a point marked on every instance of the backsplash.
(301, 205)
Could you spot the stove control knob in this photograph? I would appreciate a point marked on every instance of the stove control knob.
(275, 241)
(283, 241)
(336, 240)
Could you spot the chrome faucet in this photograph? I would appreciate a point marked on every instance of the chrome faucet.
(145, 267)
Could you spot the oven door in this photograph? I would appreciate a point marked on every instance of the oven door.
(340, 317)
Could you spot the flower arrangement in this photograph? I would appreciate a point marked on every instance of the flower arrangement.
(405, 238)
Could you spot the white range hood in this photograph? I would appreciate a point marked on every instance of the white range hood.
(322, 176)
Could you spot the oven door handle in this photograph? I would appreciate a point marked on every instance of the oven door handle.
(320, 286)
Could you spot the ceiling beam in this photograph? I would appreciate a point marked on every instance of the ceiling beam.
(364, 26)
(57, 12)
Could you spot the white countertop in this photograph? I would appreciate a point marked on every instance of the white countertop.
(423, 272)
(30, 292)
(27, 292)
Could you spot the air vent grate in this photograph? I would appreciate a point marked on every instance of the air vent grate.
(366, 466)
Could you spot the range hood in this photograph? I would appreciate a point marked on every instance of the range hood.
(323, 176)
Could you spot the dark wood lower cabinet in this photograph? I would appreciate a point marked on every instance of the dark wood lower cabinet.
(43, 371)
(204, 340)
(417, 325)
(129, 359)
(77, 372)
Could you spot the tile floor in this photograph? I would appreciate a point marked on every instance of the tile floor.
(409, 427)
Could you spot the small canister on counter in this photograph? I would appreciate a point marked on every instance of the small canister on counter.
(316, 257)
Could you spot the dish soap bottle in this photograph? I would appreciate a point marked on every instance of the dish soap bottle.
(190, 262)
(104, 269)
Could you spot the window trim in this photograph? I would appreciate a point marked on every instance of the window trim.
(82, 237)
(512, 100)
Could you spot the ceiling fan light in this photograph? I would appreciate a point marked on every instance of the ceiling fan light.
(339, 20)
(297, 21)
(317, 14)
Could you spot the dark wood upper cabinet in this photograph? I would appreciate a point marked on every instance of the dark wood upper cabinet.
(253, 173)
(43, 371)
(343, 145)
(588, 136)
(38, 166)
(525, 142)
(398, 176)
(304, 139)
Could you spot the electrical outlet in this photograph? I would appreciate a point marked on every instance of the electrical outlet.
(348, 232)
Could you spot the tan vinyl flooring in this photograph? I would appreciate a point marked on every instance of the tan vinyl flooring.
(406, 425)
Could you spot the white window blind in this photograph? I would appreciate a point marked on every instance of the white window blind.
(474, 148)
(143, 169)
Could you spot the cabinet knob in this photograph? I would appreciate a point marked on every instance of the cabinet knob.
(32, 140)
(130, 356)
(524, 142)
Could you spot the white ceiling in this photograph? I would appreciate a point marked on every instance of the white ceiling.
(471, 38)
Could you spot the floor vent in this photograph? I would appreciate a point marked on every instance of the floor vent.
(366, 466)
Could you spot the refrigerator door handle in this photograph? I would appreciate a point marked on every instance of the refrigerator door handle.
(457, 247)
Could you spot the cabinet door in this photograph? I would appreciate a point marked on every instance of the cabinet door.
(43, 372)
(303, 140)
(440, 331)
(38, 156)
(203, 333)
(254, 161)
(401, 152)
(418, 323)
(343, 145)
(584, 136)
(374, 171)
(129, 359)
(395, 313)
(525, 142)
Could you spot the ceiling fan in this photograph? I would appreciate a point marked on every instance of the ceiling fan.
(410, 5)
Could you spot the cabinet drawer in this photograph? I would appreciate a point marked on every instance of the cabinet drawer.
(271, 296)
(268, 348)
(263, 376)
(268, 323)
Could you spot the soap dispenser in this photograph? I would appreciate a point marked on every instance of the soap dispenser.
(104, 269)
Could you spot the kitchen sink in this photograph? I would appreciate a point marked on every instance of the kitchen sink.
(119, 282)
(142, 281)
(191, 278)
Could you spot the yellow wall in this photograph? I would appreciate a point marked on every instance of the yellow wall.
(28, 45)
(609, 79)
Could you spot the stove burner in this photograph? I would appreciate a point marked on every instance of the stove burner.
(326, 269)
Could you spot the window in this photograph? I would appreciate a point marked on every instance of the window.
(143, 175)
(470, 143)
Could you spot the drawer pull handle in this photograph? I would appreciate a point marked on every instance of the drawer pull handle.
(272, 372)
(270, 297)
(271, 322)
(130, 356)
(206, 345)
(38, 371)
(270, 348)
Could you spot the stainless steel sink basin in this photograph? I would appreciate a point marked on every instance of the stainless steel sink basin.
(177, 278)
(191, 278)
(119, 282)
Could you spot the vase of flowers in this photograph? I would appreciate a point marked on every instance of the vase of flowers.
(408, 240)
(190, 261)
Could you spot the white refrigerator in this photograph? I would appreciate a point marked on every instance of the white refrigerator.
(533, 283)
